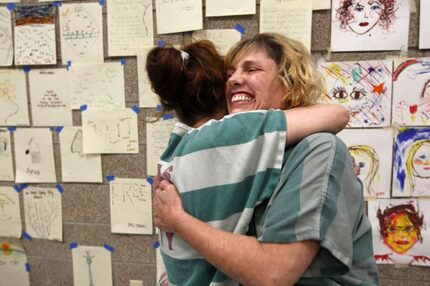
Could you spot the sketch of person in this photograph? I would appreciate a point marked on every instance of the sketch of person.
(425, 97)
(418, 162)
(361, 16)
(33, 150)
(400, 228)
(367, 162)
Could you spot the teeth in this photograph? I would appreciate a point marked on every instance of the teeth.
(237, 98)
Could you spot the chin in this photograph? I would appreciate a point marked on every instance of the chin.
(241, 107)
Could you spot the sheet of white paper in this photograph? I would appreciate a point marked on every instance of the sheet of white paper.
(424, 36)
(13, 98)
(411, 92)
(10, 215)
(81, 33)
(372, 153)
(98, 85)
(35, 35)
(223, 39)
(130, 206)
(411, 174)
(34, 155)
(363, 88)
(50, 97)
(6, 40)
(397, 245)
(43, 213)
(110, 131)
(321, 4)
(10, 1)
(216, 8)
(92, 265)
(147, 98)
(386, 29)
(6, 161)
(75, 165)
(292, 18)
(13, 264)
(130, 26)
(188, 15)
(157, 138)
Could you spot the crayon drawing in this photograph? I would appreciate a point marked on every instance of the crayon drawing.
(399, 231)
(372, 152)
(363, 25)
(411, 92)
(363, 88)
(6, 41)
(10, 215)
(91, 266)
(13, 98)
(6, 161)
(411, 174)
(13, 262)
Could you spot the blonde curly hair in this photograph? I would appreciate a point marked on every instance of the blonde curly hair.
(296, 68)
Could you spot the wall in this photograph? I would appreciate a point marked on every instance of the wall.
(86, 217)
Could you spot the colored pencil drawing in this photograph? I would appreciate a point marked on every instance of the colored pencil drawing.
(411, 176)
(363, 88)
(411, 92)
(6, 41)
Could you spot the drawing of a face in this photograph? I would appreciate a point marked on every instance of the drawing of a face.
(426, 90)
(366, 14)
(401, 234)
(421, 161)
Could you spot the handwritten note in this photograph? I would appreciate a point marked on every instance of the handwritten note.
(35, 35)
(223, 39)
(98, 85)
(13, 261)
(75, 165)
(130, 26)
(34, 155)
(216, 8)
(6, 42)
(130, 206)
(110, 131)
(147, 98)
(43, 214)
(292, 18)
(92, 265)
(188, 12)
(6, 163)
(10, 215)
(81, 32)
(13, 98)
(50, 97)
(157, 138)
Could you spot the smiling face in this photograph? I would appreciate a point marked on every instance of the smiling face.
(421, 161)
(254, 83)
(366, 14)
(401, 234)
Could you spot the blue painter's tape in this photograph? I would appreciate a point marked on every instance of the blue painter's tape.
(26, 69)
(102, 2)
(159, 107)
(17, 188)
(69, 64)
(60, 188)
(240, 28)
(11, 6)
(26, 236)
(83, 107)
(11, 129)
(136, 109)
(59, 129)
(52, 129)
(23, 186)
(156, 244)
(150, 180)
(161, 43)
(167, 116)
(108, 247)
(73, 245)
(123, 62)
(110, 178)
(56, 4)
(27, 267)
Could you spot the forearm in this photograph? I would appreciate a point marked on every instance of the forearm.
(245, 259)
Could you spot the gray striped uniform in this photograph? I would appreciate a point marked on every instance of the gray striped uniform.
(320, 198)
(222, 171)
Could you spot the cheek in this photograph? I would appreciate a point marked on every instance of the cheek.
(418, 162)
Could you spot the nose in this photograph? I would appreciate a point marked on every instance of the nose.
(235, 78)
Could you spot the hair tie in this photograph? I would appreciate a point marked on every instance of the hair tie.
(185, 57)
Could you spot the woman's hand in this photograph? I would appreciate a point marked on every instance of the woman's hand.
(167, 209)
